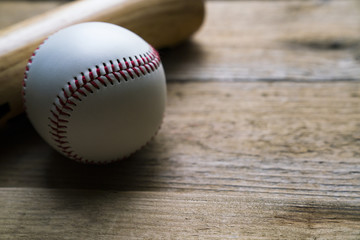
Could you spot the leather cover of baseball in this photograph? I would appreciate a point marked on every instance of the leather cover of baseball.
(96, 92)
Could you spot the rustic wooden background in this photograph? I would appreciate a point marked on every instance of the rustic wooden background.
(261, 138)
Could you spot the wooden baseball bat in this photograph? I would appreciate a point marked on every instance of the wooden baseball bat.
(162, 23)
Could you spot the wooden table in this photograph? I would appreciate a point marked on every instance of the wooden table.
(261, 139)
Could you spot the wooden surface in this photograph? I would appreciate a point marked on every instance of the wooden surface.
(261, 140)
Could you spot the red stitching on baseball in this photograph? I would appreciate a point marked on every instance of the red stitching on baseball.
(146, 63)
(94, 84)
(110, 80)
(61, 111)
(123, 75)
(112, 66)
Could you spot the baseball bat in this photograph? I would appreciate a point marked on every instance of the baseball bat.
(162, 23)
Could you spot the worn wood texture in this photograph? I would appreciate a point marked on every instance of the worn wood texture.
(298, 139)
(281, 160)
(74, 214)
(273, 41)
(261, 140)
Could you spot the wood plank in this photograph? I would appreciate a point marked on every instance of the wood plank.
(296, 139)
(243, 159)
(73, 214)
(270, 41)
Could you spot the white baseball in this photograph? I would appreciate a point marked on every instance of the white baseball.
(95, 92)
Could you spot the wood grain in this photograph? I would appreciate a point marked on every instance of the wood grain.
(261, 140)
(74, 214)
(276, 138)
(273, 41)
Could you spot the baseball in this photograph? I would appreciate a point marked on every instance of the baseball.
(96, 92)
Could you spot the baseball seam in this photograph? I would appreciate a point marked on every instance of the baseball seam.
(27, 69)
(87, 82)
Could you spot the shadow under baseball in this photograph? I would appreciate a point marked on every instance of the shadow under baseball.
(26, 161)
(131, 174)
